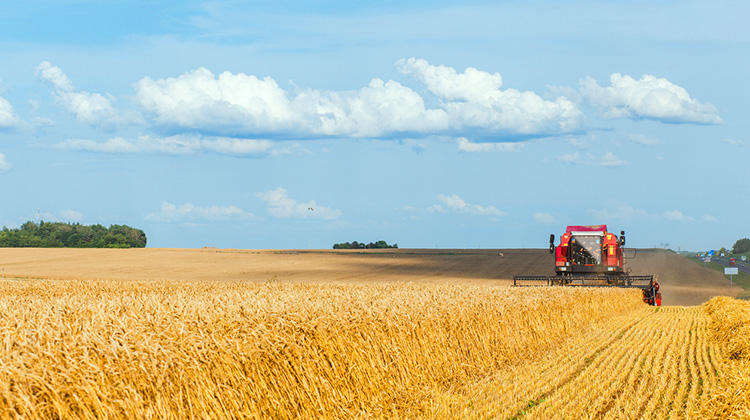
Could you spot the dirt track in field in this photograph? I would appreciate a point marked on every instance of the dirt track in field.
(683, 282)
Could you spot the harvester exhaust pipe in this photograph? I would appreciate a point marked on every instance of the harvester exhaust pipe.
(551, 243)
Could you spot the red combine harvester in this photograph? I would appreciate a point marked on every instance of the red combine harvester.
(591, 256)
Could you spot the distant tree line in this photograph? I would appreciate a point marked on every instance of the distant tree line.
(741, 246)
(67, 235)
(362, 245)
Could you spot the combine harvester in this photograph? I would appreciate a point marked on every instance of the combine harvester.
(591, 256)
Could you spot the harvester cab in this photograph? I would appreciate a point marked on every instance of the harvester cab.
(592, 256)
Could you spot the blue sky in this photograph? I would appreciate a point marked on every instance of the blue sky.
(282, 124)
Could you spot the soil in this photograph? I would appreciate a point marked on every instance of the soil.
(683, 282)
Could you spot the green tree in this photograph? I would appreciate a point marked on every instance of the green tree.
(359, 245)
(741, 246)
(56, 234)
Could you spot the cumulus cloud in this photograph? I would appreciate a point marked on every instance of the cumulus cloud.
(648, 97)
(544, 218)
(188, 212)
(240, 103)
(8, 118)
(89, 108)
(474, 99)
(455, 204)
(282, 206)
(465, 145)
(4, 164)
(174, 145)
(608, 160)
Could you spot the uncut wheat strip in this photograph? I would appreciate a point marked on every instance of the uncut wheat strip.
(449, 360)
(219, 400)
(511, 391)
(727, 397)
(568, 399)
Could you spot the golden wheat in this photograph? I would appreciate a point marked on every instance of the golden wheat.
(646, 363)
(174, 350)
(182, 349)
(730, 325)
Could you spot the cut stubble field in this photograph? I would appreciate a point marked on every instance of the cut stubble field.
(211, 333)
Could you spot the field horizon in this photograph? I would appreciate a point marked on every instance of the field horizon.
(683, 282)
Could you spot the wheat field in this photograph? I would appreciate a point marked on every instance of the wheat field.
(196, 349)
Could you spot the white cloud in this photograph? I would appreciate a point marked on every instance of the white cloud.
(618, 211)
(465, 145)
(645, 140)
(8, 118)
(174, 145)
(89, 108)
(281, 205)
(71, 215)
(608, 160)
(676, 216)
(544, 218)
(455, 204)
(648, 97)
(708, 218)
(188, 212)
(240, 103)
(4, 164)
(570, 158)
(735, 142)
(580, 143)
(474, 99)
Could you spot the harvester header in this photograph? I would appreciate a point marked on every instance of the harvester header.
(592, 256)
